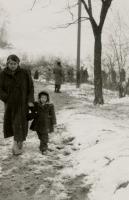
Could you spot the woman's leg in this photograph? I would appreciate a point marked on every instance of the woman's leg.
(58, 88)
(17, 147)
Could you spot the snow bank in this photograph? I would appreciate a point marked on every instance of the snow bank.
(103, 154)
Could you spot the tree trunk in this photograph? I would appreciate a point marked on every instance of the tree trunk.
(97, 70)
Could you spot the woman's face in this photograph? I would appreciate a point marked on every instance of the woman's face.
(12, 65)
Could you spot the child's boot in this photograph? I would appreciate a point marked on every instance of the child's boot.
(43, 147)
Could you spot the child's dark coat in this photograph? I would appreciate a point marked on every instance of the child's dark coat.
(43, 117)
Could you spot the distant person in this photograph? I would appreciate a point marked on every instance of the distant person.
(17, 93)
(104, 78)
(113, 76)
(59, 76)
(122, 89)
(122, 83)
(36, 75)
(85, 75)
(44, 119)
(70, 74)
(81, 75)
(127, 86)
(122, 75)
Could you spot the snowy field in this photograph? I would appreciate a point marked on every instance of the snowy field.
(89, 151)
(103, 142)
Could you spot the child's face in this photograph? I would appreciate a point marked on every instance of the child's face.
(12, 65)
(43, 99)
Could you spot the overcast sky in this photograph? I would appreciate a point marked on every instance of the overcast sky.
(31, 31)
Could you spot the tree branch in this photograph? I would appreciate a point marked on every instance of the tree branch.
(33, 4)
(69, 10)
(90, 6)
(105, 6)
(42, 6)
(71, 23)
(86, 7)
(89, 12)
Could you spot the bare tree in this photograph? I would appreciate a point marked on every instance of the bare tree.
(97, 31)
(119, 44)
(97, 28)
(120, 52)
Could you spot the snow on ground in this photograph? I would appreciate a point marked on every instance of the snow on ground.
(101, 141)
(89, 150)
(103, 154)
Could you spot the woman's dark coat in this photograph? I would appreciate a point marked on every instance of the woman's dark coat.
(44, 118)
(16, 90)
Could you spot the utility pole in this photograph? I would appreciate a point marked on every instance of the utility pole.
(78, 45)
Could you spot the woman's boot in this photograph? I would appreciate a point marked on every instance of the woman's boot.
(17, 148)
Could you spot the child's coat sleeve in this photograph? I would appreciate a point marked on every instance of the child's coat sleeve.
(32, 112)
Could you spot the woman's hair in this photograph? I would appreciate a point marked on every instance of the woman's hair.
(14, 58)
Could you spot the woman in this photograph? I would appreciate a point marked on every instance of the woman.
(17, 92)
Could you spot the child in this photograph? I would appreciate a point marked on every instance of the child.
(44, 119)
